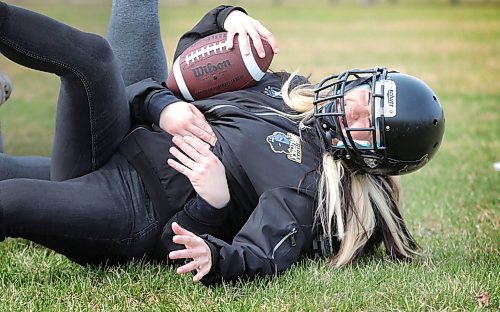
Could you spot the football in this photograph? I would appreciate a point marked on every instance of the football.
(208, 68)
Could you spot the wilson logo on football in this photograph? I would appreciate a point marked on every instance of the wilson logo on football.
(208, 69)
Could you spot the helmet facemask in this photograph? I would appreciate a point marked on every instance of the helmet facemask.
(330, 113)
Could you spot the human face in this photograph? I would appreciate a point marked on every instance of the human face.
(358, 112)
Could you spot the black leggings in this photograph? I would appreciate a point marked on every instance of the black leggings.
(95, 209)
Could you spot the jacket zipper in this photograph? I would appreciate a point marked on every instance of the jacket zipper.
(273, 112)
(291, 235)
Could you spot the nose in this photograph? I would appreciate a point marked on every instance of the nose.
(357, 110)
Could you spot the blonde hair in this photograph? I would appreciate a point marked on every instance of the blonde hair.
(360, 210)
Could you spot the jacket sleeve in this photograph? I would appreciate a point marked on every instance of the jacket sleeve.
(146, 99)
(197, 216)
(276, 235)
(211, 23)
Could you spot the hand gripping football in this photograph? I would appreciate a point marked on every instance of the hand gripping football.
(208, 68)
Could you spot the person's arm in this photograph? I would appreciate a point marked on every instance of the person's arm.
(151, 102)
(276, 235)
(147, 99)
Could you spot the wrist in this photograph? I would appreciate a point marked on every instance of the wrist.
(163, 119)
(203, 212)
(221, 204)
(222, 17)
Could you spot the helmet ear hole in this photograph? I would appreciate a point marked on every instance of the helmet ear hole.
(435, 122)
(435, 144)
(435, 98)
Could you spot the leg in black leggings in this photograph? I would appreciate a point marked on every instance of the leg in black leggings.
(134, 35)
(103, 217)
(91, 213)
(91, 116)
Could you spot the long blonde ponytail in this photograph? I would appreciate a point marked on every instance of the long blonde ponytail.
(361, 206)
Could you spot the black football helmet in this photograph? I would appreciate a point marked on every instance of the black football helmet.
(407, 121)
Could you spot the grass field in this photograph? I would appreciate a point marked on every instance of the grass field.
(452, 205)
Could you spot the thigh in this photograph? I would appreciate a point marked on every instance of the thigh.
(92, 115)
(92, 118)
(93, 219)
(58, 214)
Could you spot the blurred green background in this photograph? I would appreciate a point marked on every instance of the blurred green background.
(452, 205)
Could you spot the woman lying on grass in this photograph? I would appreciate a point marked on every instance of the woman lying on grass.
(257, 181)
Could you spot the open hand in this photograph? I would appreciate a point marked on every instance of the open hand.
(239, 23)
(203, 169)
(184, 119)
(196, 249)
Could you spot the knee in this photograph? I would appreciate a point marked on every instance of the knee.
(100, 65)
(100, 50)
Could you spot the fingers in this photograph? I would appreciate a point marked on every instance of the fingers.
(190, 154)
(183, 253)
(244, 43)
(179, 230)
(185, 119)
(191, 266)
(230, 40)
(200, 128)
(257, 35)
(201, 272)
(193, 147)
(184, 160)
(193, 155)
(269, 37)
(202, 131)
(260, 34)
(252, 32)
(247, 27)
(202, 266)
(194, 250)
(201, 269)
(180, 168)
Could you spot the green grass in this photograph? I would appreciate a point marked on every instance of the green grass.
(452, 205)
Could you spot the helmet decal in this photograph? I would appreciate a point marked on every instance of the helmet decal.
(409, 168)
(370, 162)
(390, 105)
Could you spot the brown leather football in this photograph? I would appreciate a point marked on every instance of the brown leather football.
(208, 68)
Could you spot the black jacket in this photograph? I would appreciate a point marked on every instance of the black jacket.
(271, 170)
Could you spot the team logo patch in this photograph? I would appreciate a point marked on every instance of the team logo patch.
(288, 144)
(273, 92)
